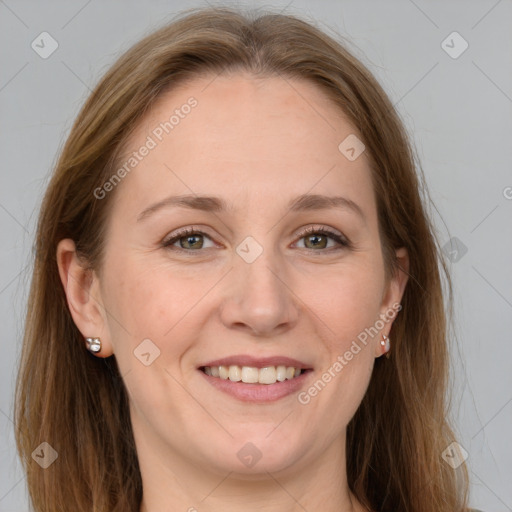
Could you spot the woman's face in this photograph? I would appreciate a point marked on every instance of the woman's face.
(249, 287)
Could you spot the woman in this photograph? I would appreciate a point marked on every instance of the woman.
(232, 240)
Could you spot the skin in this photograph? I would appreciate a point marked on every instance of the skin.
(257, 143)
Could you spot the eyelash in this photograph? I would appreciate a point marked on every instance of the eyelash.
(340, 239)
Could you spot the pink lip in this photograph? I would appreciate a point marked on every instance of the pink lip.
(257, 392)
(257, 362)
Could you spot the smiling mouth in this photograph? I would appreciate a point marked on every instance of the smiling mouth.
(253, 375)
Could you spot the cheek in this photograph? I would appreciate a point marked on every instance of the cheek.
(150, 313)
(348, 311)
(348, 301)
(141, 301)
(136, 298)
(347, 317)
(154, 302)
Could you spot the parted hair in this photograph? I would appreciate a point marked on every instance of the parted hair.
(78, 403)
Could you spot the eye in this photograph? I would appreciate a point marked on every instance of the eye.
(317, 238)
(189, 240)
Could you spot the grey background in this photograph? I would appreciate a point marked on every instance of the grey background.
(459, 114)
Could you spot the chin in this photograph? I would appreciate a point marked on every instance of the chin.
(253, 455)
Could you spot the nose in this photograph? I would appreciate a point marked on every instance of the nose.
(259, 299)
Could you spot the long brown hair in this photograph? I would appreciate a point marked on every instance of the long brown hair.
(77, 402)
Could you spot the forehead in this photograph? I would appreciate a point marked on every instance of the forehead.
(271, 137)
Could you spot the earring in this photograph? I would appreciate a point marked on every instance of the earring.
(386, 344)
(93, 344)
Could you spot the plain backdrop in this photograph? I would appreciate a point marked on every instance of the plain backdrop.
(456, 103)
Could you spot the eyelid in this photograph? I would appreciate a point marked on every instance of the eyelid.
(182, 232)
(342, 241)
(331, 232)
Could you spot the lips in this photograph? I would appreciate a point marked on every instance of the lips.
(256, 379)
(257, 362)
(251, 370)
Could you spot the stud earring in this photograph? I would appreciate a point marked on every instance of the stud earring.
(386, 344)
(93, 345)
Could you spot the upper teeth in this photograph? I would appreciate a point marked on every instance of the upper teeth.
(252, 375)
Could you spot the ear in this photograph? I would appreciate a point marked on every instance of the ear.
(83, 295)
(393, 296)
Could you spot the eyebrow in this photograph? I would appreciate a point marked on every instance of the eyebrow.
(305, 202)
